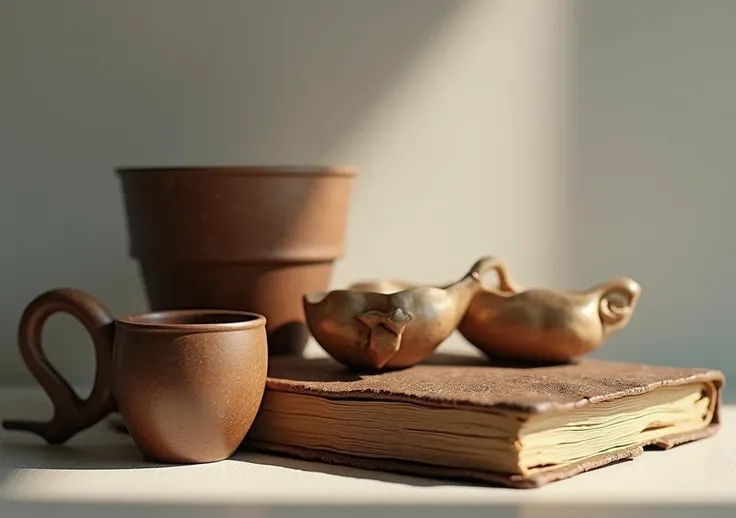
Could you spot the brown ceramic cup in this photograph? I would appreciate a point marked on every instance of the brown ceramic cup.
(187, 383)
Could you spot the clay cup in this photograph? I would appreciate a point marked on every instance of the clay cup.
(187, 383)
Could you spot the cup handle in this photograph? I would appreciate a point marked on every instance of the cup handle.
(486, 264)
(72, 414)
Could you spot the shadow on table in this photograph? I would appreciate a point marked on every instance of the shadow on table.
(340, 471)
(22, 455)
(415, 510)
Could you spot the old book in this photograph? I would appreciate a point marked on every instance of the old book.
(460, 417)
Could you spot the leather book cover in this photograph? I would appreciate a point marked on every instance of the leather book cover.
(468, 381)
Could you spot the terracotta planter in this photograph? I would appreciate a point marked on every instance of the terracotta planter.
(244, 238)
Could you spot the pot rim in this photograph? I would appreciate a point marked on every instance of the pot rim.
(177, 320)
(255, 170)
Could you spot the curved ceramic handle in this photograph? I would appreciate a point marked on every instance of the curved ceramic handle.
(618, 299)
(486, 264)
(71, 413)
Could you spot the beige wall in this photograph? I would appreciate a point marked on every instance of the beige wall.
(458, 115)
(652, 176)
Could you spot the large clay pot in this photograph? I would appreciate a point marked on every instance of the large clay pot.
(244, 238)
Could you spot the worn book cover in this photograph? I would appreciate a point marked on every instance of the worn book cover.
(462, 417)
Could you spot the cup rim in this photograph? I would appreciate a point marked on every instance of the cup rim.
(253, 170)
(166, 320)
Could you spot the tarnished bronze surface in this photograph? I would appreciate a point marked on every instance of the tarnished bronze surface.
(547, 325)
(389, 325)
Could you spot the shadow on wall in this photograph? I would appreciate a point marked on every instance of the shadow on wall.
(653, 181)
(89, 86)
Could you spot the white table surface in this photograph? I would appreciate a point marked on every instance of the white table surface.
(100, 472)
